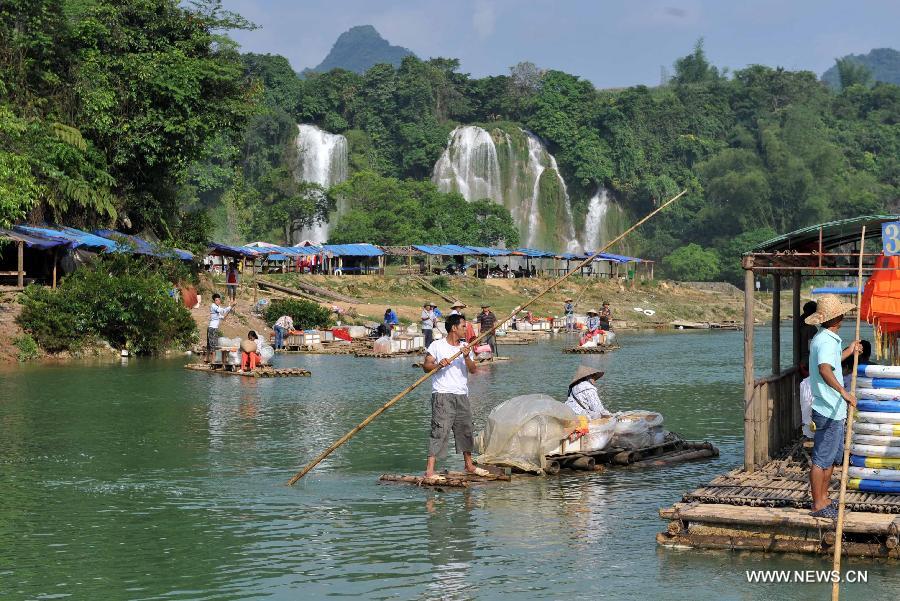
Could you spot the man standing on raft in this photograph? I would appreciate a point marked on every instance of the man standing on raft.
(450, 409)
(829, 409)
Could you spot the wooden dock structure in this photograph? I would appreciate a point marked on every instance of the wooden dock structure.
(764, 506)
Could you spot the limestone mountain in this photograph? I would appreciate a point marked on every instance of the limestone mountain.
(360, 48)
(883, 63)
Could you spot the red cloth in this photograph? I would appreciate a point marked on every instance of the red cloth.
(189, 296)
(342, 333)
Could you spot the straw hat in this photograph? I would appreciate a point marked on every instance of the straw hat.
(429, 304)
(594, 311)
(585, 372)
(568, 300)
(829, 306)
(485, 306)
(458, 304)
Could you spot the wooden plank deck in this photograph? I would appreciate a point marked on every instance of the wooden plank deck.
(768, 510)
(260, 372)
(592, 350)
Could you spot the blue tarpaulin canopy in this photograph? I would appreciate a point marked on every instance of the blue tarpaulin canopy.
(143, 247)
(451, 250)
(616, 258)
(490, 252)
(75, 238)
(534, 253)
(353, 250)
(32, 241)
(214, 248)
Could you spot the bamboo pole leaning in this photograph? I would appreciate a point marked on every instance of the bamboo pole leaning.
(851, 413)
(321, 456)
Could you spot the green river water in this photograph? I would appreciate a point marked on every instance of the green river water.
(147, 481)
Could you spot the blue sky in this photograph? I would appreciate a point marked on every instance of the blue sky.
(612, 43)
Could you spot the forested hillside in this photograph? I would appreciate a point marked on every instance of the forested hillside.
(143, 115)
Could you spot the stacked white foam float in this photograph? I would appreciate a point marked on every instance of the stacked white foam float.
(875, 445)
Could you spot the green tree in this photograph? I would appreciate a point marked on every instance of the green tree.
(693, 263)
(852, 73)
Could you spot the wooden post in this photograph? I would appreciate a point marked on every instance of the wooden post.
(20, 280)
(651, 270)
(749, 408)
(797, 323)
(55, 261)
(776, 323)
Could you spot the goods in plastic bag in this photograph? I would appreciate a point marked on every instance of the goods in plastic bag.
(382, 345)
(521, 431)
(610, 336)
(484, 356)
(637, 429)
(229, 343)
(589, 344)
(600, 433)
(266, 353)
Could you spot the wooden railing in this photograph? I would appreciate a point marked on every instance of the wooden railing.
(772, 419)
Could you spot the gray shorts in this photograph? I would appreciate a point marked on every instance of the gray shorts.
(828, 442)
(212, 338)
(450, 412)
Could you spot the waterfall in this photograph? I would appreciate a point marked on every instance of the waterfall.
(473, 166)
(593, 223)
(469, 165)
(322, 160)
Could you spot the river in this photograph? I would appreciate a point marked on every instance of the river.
(143, 480)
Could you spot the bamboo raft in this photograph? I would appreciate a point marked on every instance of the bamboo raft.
(592, 350)
(768, 510)
(260, 372)
(673, 450)
(397, 355)
(329, 348)
(449, 479)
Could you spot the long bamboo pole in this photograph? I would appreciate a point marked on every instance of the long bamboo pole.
(851, 410)
(321, 456)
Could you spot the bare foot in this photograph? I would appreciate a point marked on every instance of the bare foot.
(429, 475)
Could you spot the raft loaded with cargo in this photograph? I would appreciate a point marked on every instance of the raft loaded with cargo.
(231, 357)
(536, 435)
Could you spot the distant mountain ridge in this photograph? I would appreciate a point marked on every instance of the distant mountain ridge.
(360, 48)
(884, 63)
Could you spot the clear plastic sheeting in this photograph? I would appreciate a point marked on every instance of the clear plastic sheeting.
(266, 353)
(521, 431)
(638, 429)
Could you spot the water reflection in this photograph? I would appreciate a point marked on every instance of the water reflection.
(148, 481)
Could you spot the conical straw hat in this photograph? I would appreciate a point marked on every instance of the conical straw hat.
(585, 372)
(828, 307)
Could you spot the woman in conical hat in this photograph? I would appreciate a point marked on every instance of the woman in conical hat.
(583, 397)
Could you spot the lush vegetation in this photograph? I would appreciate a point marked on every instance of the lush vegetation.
(143, 114)
(104, 105)
(121, 300)
(306, 315)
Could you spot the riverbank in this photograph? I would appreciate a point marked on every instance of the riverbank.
(668, 301)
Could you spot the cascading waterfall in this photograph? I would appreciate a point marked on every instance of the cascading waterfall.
(593, 222)
(514, 176)
(323, 159)
(469, 165)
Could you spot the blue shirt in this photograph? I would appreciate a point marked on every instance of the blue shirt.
(825, 347)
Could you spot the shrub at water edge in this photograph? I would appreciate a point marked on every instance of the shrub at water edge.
(306, 315)
(121, 300)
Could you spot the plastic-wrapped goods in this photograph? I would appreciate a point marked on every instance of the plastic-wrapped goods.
(610, 336)
(382, 345)
(521, 431)
(266, 353)
(600, 434)
(229, 343)
(483, 356)
(638, 429)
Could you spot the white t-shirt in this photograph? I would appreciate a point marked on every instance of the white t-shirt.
(453, 379)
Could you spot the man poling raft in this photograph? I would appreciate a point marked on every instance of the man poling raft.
(484, 334)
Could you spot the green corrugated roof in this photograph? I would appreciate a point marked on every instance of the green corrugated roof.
(834, 233)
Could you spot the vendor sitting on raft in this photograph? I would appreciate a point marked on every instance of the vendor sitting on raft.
(250, 356)
(583, 396)
(593, 327)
